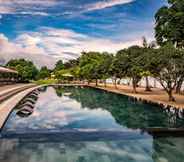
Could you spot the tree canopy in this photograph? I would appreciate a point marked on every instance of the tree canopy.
(43, 73)
(59, 65)
(169, 24)
(26, 69)
(168, 67)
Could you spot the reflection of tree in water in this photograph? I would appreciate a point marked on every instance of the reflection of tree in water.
(126, 112)
(59, 91)
(168, 149)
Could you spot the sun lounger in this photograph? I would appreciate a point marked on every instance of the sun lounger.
(25, 111)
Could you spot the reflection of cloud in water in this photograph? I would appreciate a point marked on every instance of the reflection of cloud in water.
(103, 151)
(36, 114)
(53, 112)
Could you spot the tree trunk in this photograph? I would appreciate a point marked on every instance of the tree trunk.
(96, 82)
(147, 84)
(169, 89)
(134, 84)
(105, 84)
(88, 82)
(115, 84)
(171, 97)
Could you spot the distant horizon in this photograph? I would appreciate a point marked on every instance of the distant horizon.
(45, 32)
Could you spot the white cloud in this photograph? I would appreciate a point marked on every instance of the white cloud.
(34, 13)
(32, 7)
(11, 50)
(106, 4)
(14, 6)
(47, 45)
(28, 2)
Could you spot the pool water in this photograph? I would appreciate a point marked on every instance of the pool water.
(77, 124)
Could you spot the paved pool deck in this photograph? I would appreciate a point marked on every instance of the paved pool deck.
(7, 88)
(157, 96)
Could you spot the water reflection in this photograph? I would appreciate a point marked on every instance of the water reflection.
(54, 113)
(61, 109)
(145, 150)
(125, 111)
(86, 108)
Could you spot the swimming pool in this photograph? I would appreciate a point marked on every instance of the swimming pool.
(80, 124)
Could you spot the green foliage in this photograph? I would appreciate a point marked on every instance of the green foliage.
(134, 61)
(105, 64)
(59, 65)
(119, 65)
(63, 74)
(168, 67)
(90, 65)
(75, 71)
(71, 63)
(43, 73)
(26, 69)
(169, 23)
(46, 81)
(128, 63)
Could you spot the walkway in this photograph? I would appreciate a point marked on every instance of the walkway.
(10, 90)
(7, 88)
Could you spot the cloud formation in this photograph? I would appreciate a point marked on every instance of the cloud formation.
(106, 4)
(24, 6)
(33, 7)
(47, 45)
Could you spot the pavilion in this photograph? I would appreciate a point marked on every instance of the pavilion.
(8, 76)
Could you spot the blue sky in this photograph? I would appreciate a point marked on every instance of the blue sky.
(47, 30)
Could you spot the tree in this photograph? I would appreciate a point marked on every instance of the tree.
(169, 28)
(169, 24)
(64, 74)
(26, 69)
(89, 64)
(119, 66)
(130, 64)
(145, 60)
(71, 63)
(59, 65)
(104, 66)
(43, 73)
(168, 63)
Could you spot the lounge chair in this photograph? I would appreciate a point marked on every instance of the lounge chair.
(25, 111)
(29, 104)
(30, 100)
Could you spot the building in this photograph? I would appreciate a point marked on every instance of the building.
(8, 76)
